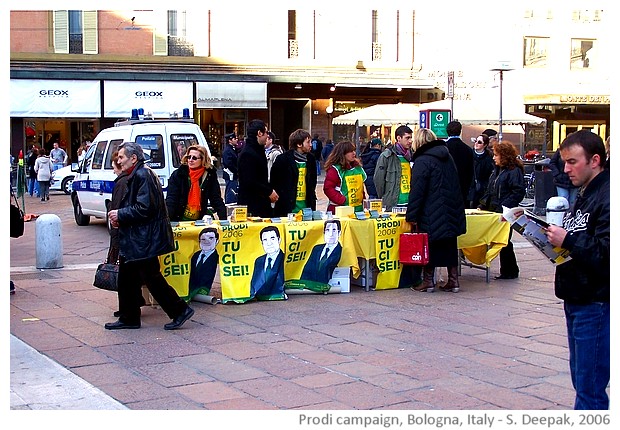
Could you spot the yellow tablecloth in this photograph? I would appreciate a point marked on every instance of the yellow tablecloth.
(486, 235)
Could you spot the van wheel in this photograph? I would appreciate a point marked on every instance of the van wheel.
(80, 218)
(66, 184)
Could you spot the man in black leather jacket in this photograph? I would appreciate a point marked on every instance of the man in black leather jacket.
(145, 234)
(583, 282)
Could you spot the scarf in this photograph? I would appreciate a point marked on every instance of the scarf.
(193, 198)
(402, 151)
(302, 158)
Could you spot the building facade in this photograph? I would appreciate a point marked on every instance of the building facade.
(76, 72)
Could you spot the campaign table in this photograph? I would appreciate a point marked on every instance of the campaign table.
(363, 242)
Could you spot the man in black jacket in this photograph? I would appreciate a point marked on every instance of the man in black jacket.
(583, 282)
(295, 192)
(462, 155)
(145, 234)
(254, 188)
(230, 155)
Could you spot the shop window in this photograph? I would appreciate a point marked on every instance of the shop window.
(535, 51)
(582, 54)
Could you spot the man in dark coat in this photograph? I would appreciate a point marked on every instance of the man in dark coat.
(324, 258)
(268, 276)
(295, 193)
(462, 155)
(230, 155)
(369, 162)
(254, 189)
(145, 234)
(204, 262)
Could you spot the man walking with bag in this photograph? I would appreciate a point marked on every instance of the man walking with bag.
(145, 234)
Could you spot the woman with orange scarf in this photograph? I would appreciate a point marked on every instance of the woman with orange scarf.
(193, 187)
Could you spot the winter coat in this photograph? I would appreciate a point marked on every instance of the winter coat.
(483, 169)
(143, 223)
(43, 168)
(369, 163)
(463, 157)
(435, 201)
(284, 178)
(178, 191)
(229, 162)
(118, 192)
(387, 177)
(506, 188)
(254, 188)
(585, 278)
(327, 149)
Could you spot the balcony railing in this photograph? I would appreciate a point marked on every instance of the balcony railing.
(293, 48)
(179, 47)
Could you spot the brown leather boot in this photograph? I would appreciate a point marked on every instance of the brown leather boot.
(428, 280)
(453, 280)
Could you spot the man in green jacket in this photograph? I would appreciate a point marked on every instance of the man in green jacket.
(393, 172)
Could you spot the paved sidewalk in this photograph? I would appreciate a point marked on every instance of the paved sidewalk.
(497, 346)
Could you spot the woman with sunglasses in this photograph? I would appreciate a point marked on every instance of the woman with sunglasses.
(483, 168)
(193, 187)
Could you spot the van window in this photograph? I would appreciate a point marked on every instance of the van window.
(98, 157)
(179, 144)
(87, 160)
(152, 145)
(114, 144)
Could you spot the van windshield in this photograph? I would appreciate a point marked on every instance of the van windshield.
(152, 145)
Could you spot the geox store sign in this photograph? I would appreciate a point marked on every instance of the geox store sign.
(156, 97)
(47, 98)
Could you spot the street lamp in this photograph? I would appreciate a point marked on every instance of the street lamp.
(502, 66)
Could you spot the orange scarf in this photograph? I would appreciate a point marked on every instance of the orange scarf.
(192, 210)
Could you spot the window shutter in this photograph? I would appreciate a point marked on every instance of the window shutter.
(89, 20)
(160, 33)
(61, 32)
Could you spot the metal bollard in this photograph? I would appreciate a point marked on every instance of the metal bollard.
(48, 242)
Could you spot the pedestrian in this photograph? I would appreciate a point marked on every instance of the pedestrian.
(118, 191)
(327, 149)
(344, 178)
(254, 189)
(31, 158)
(506, 189)
(193, 188)
(43, 168)
(272, 150)
(369, 163)
(294, 176)
(58, 156)
(492, 137)
(583, 282)
(145, 234)
(230, 155)
(563, 185)
(392, 176)
(483, 168)
(463, 157)
(317, 149)
(436, 207)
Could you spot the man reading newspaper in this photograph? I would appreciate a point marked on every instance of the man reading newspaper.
(583, 282)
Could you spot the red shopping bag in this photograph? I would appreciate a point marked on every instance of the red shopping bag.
(413, 249)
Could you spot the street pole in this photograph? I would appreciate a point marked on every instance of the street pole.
(503, 66)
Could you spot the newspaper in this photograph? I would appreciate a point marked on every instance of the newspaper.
(533, 228)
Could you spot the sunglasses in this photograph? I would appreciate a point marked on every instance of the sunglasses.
(193, 157)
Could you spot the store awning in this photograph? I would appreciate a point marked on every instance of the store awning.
(47, 98)
(239, 95)
(157, 97)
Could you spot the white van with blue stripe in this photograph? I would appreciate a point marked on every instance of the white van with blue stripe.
(164, 142)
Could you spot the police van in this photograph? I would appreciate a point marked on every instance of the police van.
(164, 142)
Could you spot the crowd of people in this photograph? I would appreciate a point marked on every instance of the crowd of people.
(433, 180)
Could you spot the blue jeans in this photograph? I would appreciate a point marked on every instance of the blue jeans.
(33, 186)
(588, 345)
(569, 194)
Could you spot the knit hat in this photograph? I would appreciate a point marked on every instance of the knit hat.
(375, 141)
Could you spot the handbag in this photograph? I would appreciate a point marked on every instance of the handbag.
(17, 218)
(106, 276)
(413, 249)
